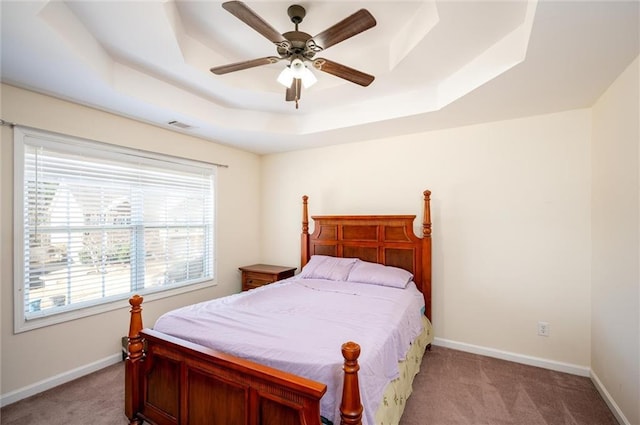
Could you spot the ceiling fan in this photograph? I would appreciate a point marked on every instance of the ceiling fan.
(299, 48)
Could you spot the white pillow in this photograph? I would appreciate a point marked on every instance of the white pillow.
(379, 274)
(325, 267)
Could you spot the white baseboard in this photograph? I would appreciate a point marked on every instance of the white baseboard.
(54, 381)
(514, 357)
(613, 406)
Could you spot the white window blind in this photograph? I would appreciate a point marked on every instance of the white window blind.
(100, 223)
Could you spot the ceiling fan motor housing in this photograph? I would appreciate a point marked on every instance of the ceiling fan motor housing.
(298, 39)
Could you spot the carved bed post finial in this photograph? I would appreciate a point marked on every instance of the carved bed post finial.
(351, 407)
(134, 347)
(305, 215)
(135, 356)
(426, 220)
(304, 240)
(426, 258)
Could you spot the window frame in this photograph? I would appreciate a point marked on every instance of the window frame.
(101, 305)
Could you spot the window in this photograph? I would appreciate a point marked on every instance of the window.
(96, 223)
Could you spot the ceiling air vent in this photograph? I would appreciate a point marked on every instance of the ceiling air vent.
(180, 125)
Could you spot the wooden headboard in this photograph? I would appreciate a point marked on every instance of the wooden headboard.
(384, 239)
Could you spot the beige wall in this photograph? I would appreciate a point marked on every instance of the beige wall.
(33, 357)
(511, 222)
(615, 228)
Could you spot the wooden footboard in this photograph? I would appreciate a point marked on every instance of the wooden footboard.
(172, 381)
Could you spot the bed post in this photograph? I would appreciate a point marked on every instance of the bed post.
(426, 254)
(133, 363)
(351, 407)
(304, 248)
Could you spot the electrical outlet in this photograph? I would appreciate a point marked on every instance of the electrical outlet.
(543, 328)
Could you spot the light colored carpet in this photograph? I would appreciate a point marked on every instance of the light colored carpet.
(458, 388)
(453, 388)
(95, 399)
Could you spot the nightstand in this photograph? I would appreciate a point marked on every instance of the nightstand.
(258, 275)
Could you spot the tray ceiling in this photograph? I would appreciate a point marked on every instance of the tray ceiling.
(437, 64)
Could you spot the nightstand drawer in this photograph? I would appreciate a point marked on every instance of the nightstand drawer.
(252, 280)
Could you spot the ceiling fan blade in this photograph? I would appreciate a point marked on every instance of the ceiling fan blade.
(249, 17)
(352, 25)
(294, 92)
(238, 66)
(343, 71)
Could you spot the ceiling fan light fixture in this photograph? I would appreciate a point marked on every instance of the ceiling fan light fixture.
(307, 77)
(297, 69)
(286, 77)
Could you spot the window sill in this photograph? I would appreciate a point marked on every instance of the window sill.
(117, 303)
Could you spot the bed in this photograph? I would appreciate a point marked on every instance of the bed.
(171, 380)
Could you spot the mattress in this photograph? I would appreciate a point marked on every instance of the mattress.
(298, 325)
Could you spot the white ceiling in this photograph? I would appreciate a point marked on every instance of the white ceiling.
(437, 64)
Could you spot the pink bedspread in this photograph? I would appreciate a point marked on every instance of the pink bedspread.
(298, 325)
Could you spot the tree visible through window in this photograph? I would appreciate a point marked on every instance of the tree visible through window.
(98, 223)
